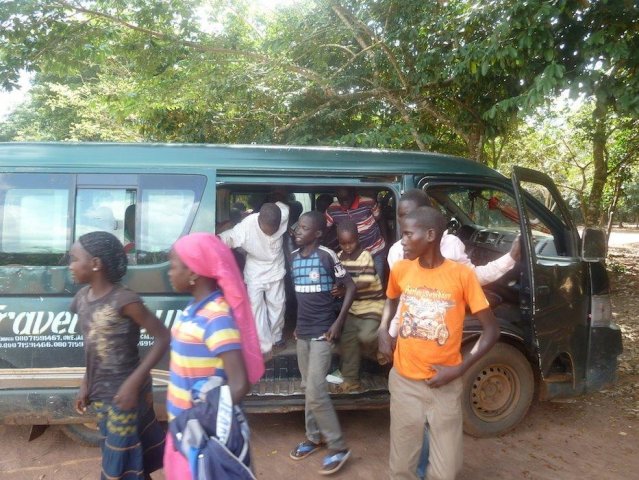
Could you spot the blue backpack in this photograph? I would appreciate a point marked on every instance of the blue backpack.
(213, 435)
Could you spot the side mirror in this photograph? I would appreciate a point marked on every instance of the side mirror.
(593, 245)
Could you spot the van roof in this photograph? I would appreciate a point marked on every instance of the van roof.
(238, 158)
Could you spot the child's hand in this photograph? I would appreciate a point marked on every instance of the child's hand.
(444, 374)
(81, 400)
(127, 396)
(333, 333)
(338, 291)
(385, 344)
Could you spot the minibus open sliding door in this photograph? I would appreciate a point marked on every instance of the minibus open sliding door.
(553, 291)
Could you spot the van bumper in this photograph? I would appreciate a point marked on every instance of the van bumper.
(54, 406)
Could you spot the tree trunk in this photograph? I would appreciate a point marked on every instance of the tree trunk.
(613, 205)
(475, 141)
(594, 213)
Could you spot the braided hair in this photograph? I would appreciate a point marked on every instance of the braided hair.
(109, 250)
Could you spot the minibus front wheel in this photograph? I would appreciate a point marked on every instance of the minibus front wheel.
(498, 391)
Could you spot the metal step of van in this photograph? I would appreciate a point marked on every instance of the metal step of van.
(280, 389)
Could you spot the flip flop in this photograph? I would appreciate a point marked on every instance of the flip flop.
(305, 449)
(333, 462)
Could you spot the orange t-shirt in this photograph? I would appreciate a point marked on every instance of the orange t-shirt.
(432, 307)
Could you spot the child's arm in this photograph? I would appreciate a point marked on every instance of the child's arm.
(349, 295)
(236, 374)
(82, 400)
(127, 396)
(384, 340)
(489, 335)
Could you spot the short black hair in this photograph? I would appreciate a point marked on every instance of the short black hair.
(323, 201)
(428, 217)
(317, 219)
(347, 226)
(271, 215)
(418, 196)
(349, 190)
(109, 250)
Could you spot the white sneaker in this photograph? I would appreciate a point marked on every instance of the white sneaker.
(335, 377)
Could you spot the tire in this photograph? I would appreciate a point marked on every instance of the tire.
(498, 391)
(86, 434)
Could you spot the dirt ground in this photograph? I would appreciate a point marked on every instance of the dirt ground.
(591, 437)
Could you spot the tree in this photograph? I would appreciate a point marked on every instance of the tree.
(426, 75)
(456, 76)
(559, 142)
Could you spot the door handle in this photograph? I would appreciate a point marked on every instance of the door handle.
(543, 290)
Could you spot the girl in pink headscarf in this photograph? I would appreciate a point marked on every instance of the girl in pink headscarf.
(215, 335)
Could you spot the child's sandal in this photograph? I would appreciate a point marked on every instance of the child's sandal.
(305, 449)
(333, 462)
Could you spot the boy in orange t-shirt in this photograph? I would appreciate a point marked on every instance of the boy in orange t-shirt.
(425, 382)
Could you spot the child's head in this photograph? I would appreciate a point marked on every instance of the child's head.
(411, 200)
(98, 253)
(323, 201)
(269, 218)
(421, 229)
(346, 196)
(198, 261)
(348, 237)
(181, 277)
(310, 228)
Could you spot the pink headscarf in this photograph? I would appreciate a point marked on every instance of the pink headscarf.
(206, 255)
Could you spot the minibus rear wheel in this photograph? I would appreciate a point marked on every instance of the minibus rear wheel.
(498, 391)
(86, 434)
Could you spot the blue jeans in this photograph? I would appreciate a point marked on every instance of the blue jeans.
(423, 457)
(379, 259)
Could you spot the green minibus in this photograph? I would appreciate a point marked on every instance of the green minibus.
(557, 339)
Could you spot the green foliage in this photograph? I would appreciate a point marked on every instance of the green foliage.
(458, 77)
(559, 141)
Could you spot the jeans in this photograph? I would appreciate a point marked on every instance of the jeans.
(423, 457)
(379, 259)
(314, 361)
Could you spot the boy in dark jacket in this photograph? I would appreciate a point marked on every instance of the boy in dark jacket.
(315, 270)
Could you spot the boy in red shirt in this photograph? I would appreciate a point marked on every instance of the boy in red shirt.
(425, 382)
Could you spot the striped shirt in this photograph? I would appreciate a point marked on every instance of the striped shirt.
(369, 301)
(204, 331)
(364, 212)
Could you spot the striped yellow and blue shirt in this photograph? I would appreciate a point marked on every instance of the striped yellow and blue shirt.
(204, 331)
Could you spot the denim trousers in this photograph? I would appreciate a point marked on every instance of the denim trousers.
(314, 361)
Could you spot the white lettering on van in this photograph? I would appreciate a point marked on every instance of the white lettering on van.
(39, 328)
(9, 315)
(41, 322)
(61, 320)
(167, 319)
(25, 318)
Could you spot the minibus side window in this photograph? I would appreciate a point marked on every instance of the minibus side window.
(168, 204)
(105, 209)
(34, 216)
